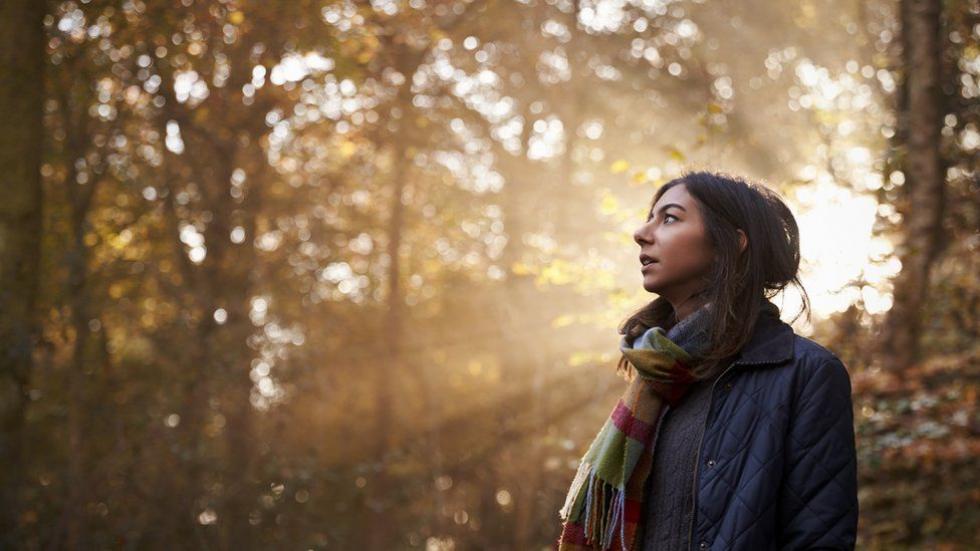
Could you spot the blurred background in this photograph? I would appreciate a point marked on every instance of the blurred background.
(314, 274)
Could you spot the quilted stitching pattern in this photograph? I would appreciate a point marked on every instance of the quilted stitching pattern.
(780, 443)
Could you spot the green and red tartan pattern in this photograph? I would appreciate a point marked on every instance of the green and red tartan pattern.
(604, 503)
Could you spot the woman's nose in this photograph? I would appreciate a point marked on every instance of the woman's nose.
(640, 235)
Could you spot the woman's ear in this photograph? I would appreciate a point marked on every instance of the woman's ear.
(743, 241)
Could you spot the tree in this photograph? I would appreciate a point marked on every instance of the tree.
(21, 108)
(924, 197)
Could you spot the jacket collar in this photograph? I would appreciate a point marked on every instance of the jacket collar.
(772, 340)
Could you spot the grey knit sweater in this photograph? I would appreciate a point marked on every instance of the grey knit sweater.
(669, 498)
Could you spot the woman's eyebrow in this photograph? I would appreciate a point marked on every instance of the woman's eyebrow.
(665, 207)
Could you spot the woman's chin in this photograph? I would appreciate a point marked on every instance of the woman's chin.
(651, 286)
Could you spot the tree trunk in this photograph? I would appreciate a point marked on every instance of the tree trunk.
(79, 300)
(923, 211)
(77, 376)
(380, 537)
(21, 108)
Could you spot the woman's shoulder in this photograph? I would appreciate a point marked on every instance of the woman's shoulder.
(811, 352)
(814, 362)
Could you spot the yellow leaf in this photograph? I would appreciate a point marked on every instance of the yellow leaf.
(578, 358)
(121, 240)
(365, 56)
(520, 268)
(347, 149)
(608, 205)
(620, 166)
(556, 273)
(563, 320)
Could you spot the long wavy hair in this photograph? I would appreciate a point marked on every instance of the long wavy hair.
(740, 285)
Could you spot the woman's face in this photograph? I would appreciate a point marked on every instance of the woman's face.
(674, 237)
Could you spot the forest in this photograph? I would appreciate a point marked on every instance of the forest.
(347, 274)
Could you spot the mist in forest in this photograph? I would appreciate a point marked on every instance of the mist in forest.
(349, 275)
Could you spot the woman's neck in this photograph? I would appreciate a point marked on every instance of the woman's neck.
(688, 307)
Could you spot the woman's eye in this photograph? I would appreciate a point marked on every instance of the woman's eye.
(665, 217)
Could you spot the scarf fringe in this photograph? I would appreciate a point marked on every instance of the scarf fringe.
(603, 506)
(581, 476)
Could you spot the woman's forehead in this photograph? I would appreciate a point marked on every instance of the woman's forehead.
(677, 194)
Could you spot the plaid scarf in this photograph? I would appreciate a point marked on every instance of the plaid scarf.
(604, 503)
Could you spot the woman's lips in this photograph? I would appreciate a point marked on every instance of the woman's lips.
(644, 267)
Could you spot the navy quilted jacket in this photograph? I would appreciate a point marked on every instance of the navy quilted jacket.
(777, 467)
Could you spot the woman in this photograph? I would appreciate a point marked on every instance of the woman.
(734, 432)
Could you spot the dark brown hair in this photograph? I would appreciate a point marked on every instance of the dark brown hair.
(739, 284)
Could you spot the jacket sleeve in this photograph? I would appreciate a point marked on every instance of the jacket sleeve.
(818, 506)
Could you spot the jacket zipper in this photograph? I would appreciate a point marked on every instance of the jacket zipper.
(697, 459)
